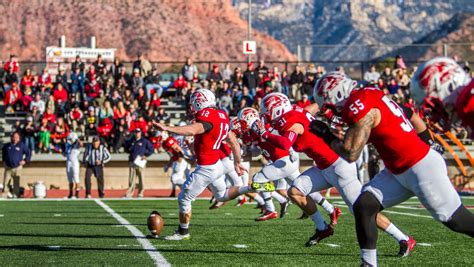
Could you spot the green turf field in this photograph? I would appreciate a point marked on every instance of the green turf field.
(82, 233)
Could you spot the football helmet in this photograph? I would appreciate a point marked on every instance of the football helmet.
(201, 99)
(236, 127)
(72, 137)
(438, 78)
(248, 116)
(274, 105)
(334, 87)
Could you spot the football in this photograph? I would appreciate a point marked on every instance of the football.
(155, 223)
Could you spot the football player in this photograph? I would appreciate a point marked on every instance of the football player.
(412, 167)
(210, 129)
(283, 168)
(293, 123)
(442, 80)
(179, 165)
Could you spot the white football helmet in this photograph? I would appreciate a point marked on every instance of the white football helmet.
(201, 99)
(439, 78)
(72, 137)
(334, 87)
(274, 105)
(248, 116)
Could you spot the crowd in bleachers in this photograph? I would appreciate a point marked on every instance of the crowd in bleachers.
(107, 100)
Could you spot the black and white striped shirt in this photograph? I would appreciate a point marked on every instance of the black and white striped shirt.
(91, 155)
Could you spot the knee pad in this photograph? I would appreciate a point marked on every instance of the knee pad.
(462, 221)
(184, 203)
(366, 205)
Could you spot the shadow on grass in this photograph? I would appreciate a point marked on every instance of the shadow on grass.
(69, 236)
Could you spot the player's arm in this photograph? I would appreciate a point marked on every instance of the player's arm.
(284, 141)
(187, 130)
(356, 137)
(235, 147)
(313, 109)
(422, 130)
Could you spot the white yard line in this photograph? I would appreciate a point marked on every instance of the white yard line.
(141, 238)
(407, 214)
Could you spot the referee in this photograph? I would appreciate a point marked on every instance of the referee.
(95, 156)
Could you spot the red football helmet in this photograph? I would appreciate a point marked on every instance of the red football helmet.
(274, 105)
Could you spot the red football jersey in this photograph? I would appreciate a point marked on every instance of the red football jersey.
(224, 151)
(207, 145)
(465, 105)
(394, 138)
(310, 144)
(168, 144)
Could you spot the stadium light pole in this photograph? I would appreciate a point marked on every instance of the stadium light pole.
(249, 58)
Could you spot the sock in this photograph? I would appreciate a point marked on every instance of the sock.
(319, 221)
(328, 207)
(259, 200)
(183, 228)
(396, 233)
(244, 189)
(267, 196)
(281, 199)
(239, 198)
(369, 256)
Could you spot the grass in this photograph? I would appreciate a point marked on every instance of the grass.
(88, 235)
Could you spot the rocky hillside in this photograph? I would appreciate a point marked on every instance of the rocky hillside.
(164, 30)
(386, 24)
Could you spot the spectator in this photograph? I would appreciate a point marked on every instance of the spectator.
(27, 98)
(399, 63)
(29, 134)
(119, 135)
(45, 79)
(142, 65)
(60, 95)
(100, 64)
(262, 69)
(115, 68)
(100, 99)
(296, 81)
(115, 98)
(10, 78)
(386, 75)
(49, 116)
(214, 75)
(77, 64)
(139, 123)
(141, 97)
(59, 135)
(372, 75)
(189, 70)
(106, 111)
(78, 80)
(105, 131)
(227, 73)
(51, 104)
(155, 101)
(152, 82)
(44, 94)
(311, 70)
(15, 155)
(92, 89)
(123, 80)
(91, 123)
(12, 100)
(61, 78)
(403, 80)
(250, 78)
(304, 102)
(36, 116)
(162, 116)
(119, 111)
(28, 79)
(91, 74)
(180, 85)
(285, 83)
(237, 77)
(75, 119)
(308, 85)
(12, 64)
(95, 156)
(44, 137)
(137, 80)
(139, 149)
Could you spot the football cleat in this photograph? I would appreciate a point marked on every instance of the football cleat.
(177, 237)
(284, 208)
(217, 205)
(263, 187)
(319, 235)
(241, 202)
(335, 215)
(269, 215)
(406, 246)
